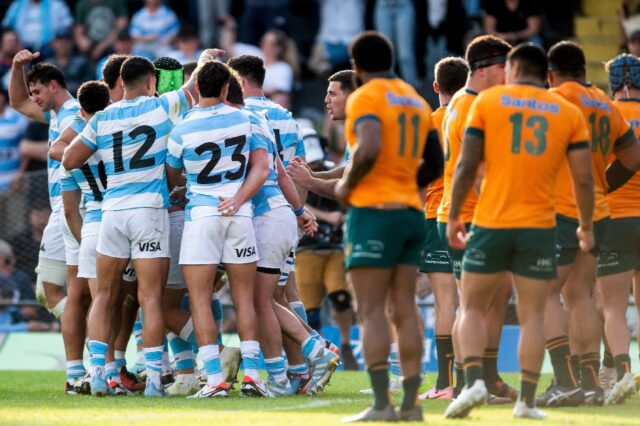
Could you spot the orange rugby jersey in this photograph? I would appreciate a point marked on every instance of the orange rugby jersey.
(527, 133)
(405, 119)
(453, 126)
(434, 191)
(625, 201)
(607, 127)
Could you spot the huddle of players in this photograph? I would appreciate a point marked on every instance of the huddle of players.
(121, 159)
(537, 193)
(532, 176)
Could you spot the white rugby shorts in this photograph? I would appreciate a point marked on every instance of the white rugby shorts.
(141, 233)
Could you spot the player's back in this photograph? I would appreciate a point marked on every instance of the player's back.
(527, 132)
(405, 120)
(455, 118)
(131, 139)
(624, 201)
(286, 130)
(213, 145)
(435, 188)
(606, 126)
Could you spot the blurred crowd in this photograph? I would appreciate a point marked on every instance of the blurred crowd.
(301, 42)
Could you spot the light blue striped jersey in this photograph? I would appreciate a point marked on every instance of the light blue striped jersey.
(90, 179)
(288, 133)
(163, 23)
(212, 145)
(130, 137)
(269, 196)
(57, 122)
(12, 128)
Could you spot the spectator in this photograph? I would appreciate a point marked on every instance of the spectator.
(75, 67)
(98, 23)
(153, 27)
(514, 21)
(259, 16)
(340, 22)
(26, 244)
(9, 46)
(320, 259)
(396, 19)
(34, 152)
(8, 271)
(122, 46)
(633, 45)
(188, 46)
(11, 320)
(38, 21)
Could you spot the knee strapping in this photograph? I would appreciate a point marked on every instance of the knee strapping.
(341, 300)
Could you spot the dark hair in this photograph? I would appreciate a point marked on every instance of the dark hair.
(281, 41)
(235, 95)
(249, 67)
(211, 79)
(93, 96)
(372, 52)
(532, 59)
(345, 78)
(485, 51)
(634, 37)
(186, 32)
(189, 67)
(111, 69)
(45, 73)
(566, 58)
(136, 69)
(451, 74)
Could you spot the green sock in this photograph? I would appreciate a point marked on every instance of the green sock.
(379, 375)
(490, 365)
(623, 365)
(589, 368)
(559, 353)
(410, 386)
(473, 369)
(574, 364)
(607, 361)
(459, 375)
(528, 385)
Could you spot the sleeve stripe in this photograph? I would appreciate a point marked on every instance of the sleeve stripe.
(474, 131)
(578, 145)
(624, 140)
(365, 118)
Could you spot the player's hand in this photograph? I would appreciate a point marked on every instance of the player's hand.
(457, 234)
(342, 191)
(228, 206)
(335, 218)
(211, 55)
(299, 173)
(179, 196)
(586, 239)
(24, 56)
(307, 222)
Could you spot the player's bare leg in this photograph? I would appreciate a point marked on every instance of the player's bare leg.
(74, 324)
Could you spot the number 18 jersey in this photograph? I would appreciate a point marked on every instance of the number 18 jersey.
(130, 137)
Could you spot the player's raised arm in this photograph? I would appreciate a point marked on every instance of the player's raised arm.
(190, 85)
(19, 92)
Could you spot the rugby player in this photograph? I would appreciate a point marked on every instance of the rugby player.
(43, 96)
(450, 76)
(388, 127)
(609, 133)
(523, 134)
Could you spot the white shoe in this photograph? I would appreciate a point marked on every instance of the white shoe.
(621, 390)
(522, 411)
(395, 386)
(230, 359)
(184, 385)
(468, 399)
(608, 378)
(219, 391)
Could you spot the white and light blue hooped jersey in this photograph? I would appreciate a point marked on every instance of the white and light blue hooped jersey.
(57, 122)
(212, 145)
(130, 138)
(287, 132)
(269, 196)
(12, 128)
(90, 179)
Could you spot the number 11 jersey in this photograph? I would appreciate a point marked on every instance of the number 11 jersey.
(130, 137)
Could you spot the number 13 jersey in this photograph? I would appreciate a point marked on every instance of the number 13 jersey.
(130, 137)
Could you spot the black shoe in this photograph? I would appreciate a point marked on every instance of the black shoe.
(560, 396)
(167, 379)
(594, 397)
(349, 362)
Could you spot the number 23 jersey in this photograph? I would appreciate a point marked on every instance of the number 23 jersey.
(130, 137)
(527, 132)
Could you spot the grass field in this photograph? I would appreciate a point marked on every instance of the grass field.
(28, 398)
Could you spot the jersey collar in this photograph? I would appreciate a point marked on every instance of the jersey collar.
(470, 92)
